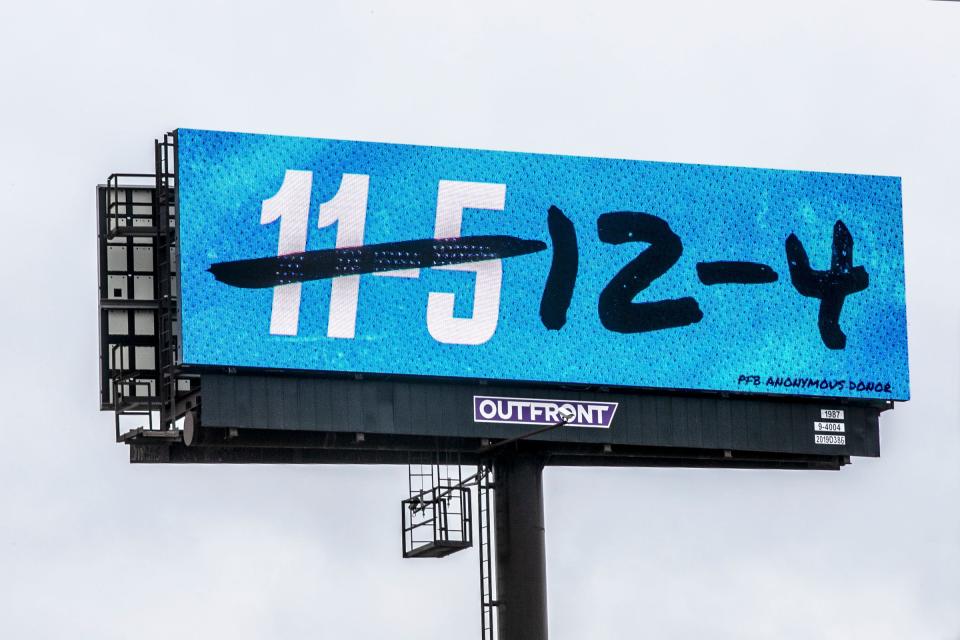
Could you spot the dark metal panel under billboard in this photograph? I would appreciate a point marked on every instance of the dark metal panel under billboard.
(539, 268)
(469, 413)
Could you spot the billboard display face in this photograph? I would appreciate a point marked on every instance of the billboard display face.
(329, 255)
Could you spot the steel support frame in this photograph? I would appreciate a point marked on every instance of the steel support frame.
(520, 547)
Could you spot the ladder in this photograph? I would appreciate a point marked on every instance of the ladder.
(488, 601)
(165, 255)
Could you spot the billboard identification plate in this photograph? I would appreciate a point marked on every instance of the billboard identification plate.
(836, 427)
(328, 255)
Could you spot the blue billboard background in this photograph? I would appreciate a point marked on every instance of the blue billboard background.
(763, 337)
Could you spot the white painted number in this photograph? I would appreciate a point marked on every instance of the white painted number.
(348, 210)
(290, 205)
(452, 198)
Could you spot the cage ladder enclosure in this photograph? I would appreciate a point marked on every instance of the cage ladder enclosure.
(436, 516)
(139, 333)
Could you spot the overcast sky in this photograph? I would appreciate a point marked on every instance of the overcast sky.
(92, 547)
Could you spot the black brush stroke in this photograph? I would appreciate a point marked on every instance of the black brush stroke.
(558, 291)
(258, 273)
(735, 272)
(618, 312)
(832, 286)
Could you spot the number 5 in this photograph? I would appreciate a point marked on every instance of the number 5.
(452, 198)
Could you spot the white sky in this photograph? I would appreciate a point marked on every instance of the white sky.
(92, 547)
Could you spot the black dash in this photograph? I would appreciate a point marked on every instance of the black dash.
(736, 272)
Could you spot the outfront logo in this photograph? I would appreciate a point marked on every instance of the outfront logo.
(540, 411)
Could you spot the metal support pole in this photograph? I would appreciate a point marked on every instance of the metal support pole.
(519, 546)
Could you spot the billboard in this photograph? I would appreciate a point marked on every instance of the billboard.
(358, 257)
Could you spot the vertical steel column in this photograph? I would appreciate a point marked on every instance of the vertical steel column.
(521, 564)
